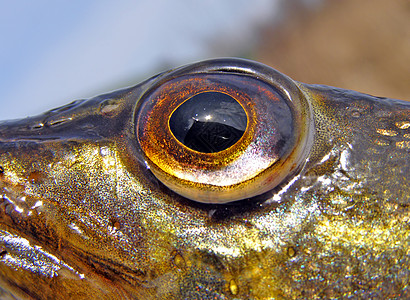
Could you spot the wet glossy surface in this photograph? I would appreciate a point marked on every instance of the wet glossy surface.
(208, 122)
(82, 216)
(273, 146)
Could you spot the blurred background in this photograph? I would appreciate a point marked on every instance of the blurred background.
(53, 52)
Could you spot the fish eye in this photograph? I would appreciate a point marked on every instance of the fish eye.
(224, 130)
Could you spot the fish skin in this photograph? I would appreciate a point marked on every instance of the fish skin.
(82, 216)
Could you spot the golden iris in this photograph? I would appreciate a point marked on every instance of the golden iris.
(217, 137)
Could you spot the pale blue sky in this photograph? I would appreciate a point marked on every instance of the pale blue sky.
(53, 52)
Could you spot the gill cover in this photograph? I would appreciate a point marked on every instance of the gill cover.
(223, 130)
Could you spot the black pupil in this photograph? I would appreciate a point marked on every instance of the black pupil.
(209, 122)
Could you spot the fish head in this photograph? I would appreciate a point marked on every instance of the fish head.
(127, 195)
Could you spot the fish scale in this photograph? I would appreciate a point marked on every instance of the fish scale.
(82, 216)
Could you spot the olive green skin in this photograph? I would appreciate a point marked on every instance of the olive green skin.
(82, 217)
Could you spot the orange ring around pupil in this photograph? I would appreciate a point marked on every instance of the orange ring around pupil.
(158, 142)
(268, 138)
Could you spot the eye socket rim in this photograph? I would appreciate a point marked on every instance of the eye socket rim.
(302, 119)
